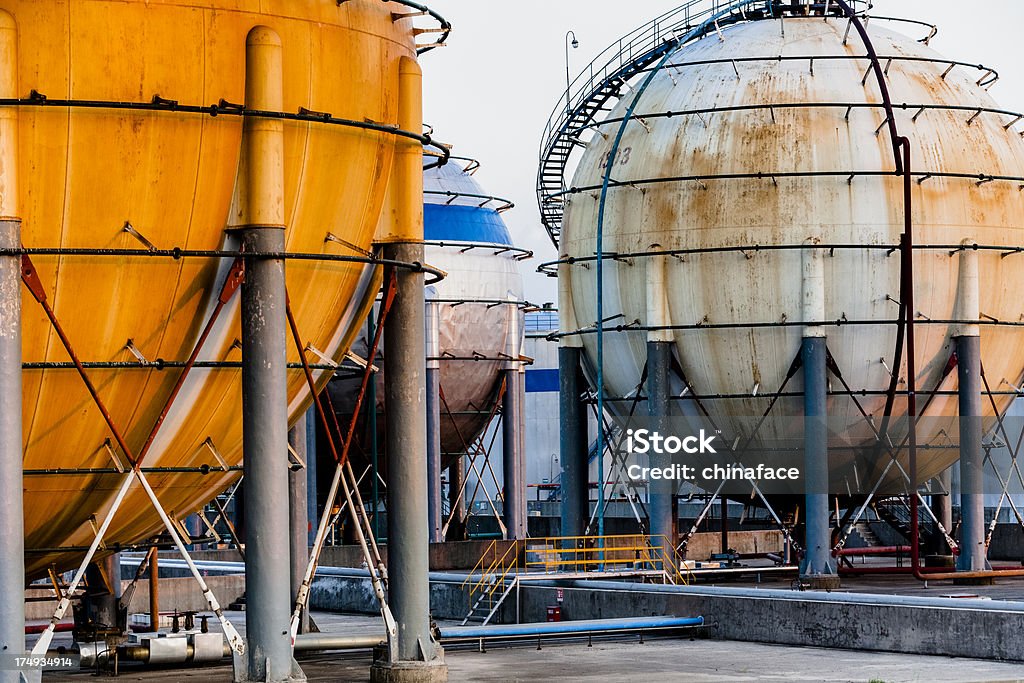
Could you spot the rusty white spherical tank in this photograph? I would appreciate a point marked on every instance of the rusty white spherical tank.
(479, 303)
(816, 174)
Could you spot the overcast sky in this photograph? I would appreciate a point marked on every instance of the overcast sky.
(491, 90)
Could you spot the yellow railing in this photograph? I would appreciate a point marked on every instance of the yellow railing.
(619, 553)
(492, 574)
(572, 554)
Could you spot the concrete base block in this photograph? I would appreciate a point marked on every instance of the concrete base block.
(820, 582)
(409, 672)
(974, 581)
(947, 561)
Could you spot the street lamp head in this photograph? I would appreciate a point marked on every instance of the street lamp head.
(575, 43)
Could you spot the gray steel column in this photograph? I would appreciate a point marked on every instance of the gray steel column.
(265, 447)
(972, 494)
(312, 516)
(659, 511)
(572, 443)
(818, 565)
(405, 444)
(100, 602)
(298, 515)
(12, 524)
(260, 228)
(513, 424)
(457, 503)
(433, 406)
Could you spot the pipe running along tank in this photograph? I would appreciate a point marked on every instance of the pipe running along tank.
(466, 238)
(157, 171)
(753, 195)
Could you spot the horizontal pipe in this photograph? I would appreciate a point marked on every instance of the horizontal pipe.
(305, 642)
(568, 627)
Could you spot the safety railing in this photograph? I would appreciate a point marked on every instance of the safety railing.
(616, 553)
(488, 575)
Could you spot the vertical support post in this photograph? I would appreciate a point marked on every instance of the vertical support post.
(663, 526)
(104, 591)
(818, 567)
(419, 657)
(371, 428)
(456, 503)
(260, 201)
(972, 494)
(154, 589)
(298, 516)
(572, 442)
(967, 337)
(12, 525)
(942, 508)
(659, 362)
(513, 425)
(725, 524)
(312, 518)
(433, 349)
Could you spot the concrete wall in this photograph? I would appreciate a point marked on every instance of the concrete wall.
(914, 626)
(448, 599)
(177, 593)
(702, 545)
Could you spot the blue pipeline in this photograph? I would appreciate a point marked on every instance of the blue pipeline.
(568, 627)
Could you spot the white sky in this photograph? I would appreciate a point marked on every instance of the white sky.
(491, 90)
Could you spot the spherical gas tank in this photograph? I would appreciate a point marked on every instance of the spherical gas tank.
(478, 304)
(751, 153)
(94, 177)
(480, 301)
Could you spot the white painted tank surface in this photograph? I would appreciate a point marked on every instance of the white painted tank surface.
(466, 238)
(683, 182)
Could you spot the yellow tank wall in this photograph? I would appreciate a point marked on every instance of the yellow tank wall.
(84, 172)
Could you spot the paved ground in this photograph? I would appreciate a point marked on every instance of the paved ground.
(701, 661)
(698, 661)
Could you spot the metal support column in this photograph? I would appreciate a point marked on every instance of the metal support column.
(433, 350)
(942, 508)
(456, 503)
(12, 525)
(573, 452)
(967, 337)
(103, 590)
(818, 567)
(661, 511)
(972, 493)
(298, 514)
(264, 379)
(154, 589)
(416, 656)
(659, 360)
(312, 518)
(513, 425)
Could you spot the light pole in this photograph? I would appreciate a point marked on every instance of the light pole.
(575, 44)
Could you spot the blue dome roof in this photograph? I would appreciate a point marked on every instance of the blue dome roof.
(456, 208)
